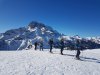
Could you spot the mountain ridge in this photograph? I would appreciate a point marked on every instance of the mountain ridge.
(18, 39)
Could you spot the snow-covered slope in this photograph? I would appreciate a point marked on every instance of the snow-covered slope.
(31, 62)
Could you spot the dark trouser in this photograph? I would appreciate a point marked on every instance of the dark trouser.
(78, 53)
(35, 47)
(62, 48)
(41, 47)
(50, 48)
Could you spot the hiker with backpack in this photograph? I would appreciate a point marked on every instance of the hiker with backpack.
(62, 46)
(41, 45)
(36, 44)
(78, 48)
(51, 44)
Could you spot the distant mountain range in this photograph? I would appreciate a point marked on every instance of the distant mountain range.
(19, 39)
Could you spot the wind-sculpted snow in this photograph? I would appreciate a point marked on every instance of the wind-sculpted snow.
(31, 62)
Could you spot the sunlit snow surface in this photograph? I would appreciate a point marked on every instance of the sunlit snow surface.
(31, 62)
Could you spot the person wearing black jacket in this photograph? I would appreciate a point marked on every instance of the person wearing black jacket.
(51, 44)
(62, 46)
(35, 44)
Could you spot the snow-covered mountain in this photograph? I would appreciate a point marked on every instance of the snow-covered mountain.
(95, 39)
(85, 43)
(18, 39)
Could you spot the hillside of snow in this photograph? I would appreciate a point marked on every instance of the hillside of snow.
(31, 62)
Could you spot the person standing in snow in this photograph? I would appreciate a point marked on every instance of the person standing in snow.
(62, 46)
(41, 45)
(35, 44)
(51, 44)
(78, 42)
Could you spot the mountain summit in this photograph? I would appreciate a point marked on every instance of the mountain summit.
(16, 39)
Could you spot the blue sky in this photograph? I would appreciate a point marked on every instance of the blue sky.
(71, 17)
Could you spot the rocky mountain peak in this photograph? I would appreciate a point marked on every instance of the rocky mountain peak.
(34, 24)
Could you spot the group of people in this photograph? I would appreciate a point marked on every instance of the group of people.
(51, 43)
(61, 45)
(40, 44)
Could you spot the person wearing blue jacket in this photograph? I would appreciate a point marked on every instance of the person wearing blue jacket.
(78, 47)
(41, 45)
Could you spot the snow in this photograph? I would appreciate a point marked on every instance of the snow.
(32, 29)
(49, 31)
(67, 37)
(42, 29)
(38, 37)
(31, 62)
(1, 36)
(23, 45)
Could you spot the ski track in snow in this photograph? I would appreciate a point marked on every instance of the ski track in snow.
(31, 62)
